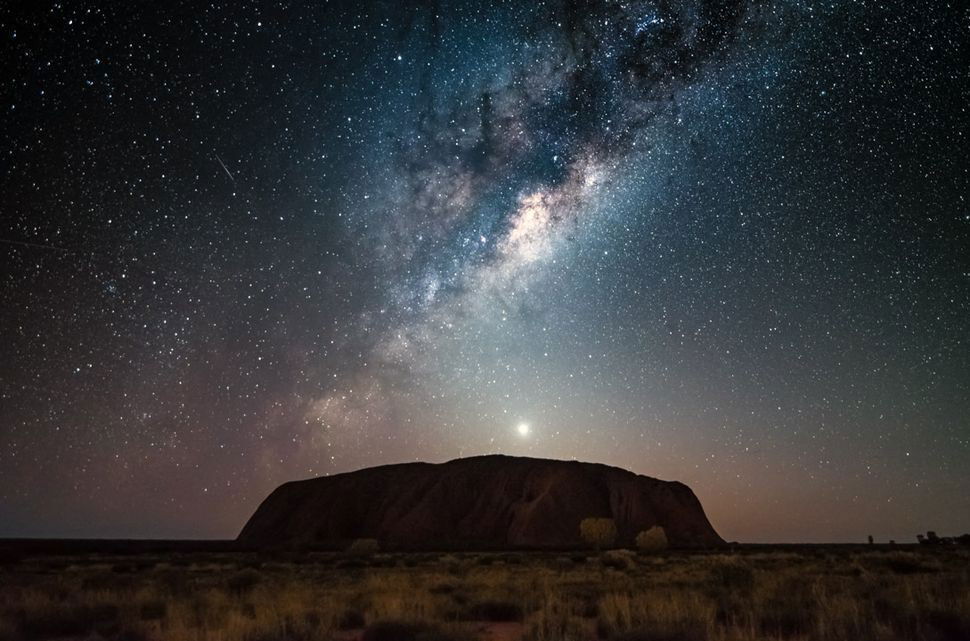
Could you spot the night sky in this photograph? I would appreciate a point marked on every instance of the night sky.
(720, 242)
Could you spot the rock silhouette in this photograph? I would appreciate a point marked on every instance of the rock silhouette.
(484, 502)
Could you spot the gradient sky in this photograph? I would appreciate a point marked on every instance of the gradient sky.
(726, 243)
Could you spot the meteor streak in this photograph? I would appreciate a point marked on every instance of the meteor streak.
(224, 168)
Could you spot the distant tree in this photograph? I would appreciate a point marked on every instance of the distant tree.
(598, 532)
(870, 539)
(921, 539)
(652, 540)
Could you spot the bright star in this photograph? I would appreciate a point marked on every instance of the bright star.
(523, 429)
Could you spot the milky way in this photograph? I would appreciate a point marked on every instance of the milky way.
(719, 242)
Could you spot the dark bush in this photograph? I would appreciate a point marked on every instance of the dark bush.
(397, 631)
(948, 626)
(493, 611)
(68, 620)
(153, 611)
(617, 560)
(105, 580)
(786, 617)
(175, 582)
(732, 575)
(351, 564)
(351, 620)
(905, 563)
(312, 619)
(730, 605)
(11, 557)
(243, 581)
(670, 632)
(364, 546)
(443, 588)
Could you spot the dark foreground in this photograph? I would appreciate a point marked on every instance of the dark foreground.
(208, 592)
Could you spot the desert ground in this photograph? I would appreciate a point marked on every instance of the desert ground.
(741, 593)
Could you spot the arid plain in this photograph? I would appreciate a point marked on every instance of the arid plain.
(738, 593)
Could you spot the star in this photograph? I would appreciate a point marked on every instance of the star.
(694, 238)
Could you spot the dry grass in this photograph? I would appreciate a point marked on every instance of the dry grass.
(820, 593)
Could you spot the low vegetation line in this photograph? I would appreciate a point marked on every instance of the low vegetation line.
(913, 593)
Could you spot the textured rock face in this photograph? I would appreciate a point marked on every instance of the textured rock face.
(484, 502)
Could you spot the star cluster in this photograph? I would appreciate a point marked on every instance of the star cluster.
(721, 242)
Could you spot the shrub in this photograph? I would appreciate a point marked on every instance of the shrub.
(391, 631)
(732, 574)
(946, 625)
(364, 546)
(443, 588)
(652, 540)
(11, 557)
(153, 610)
(907, 563)
(244, 581)
(551, 623)
(493, 611)
(67, 620)
(665, 632)
(106, 580)
(784, 616)
(351, 564)
(618, 559)
(598, 532)
(397, 631)
(350, 620)
(8, 631)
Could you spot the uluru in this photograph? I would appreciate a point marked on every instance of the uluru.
(483, 502)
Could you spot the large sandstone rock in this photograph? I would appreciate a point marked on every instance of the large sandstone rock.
(484, 502)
